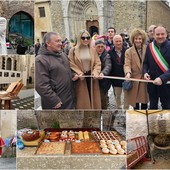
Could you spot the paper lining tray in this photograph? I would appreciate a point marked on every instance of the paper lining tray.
(51, 148)
(106, 135)
(85, 147)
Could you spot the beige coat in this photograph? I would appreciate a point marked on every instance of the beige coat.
(138, 94)
(81, 90)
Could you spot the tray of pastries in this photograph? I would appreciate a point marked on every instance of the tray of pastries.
(113, 147)
(85, 147)
(51, 148)
(68, 135)
(106, 135)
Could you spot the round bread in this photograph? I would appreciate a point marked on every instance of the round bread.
(102, 142)
(103, 145)
(111, 147)
(109, 142)
(121, 151)
(113, 151)
(117, 146)
(115, 142)
(105, 150)
(123, 143)
(31, 135)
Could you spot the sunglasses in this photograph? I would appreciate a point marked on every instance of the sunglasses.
(87, 38)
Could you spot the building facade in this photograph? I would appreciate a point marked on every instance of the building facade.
(68, 17)
(14, 68)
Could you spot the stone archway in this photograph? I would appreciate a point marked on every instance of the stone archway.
(78, 13)
(92, 27)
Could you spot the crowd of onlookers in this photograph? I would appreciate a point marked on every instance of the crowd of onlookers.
(79, 75)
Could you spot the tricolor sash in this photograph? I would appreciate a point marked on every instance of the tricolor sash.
(159, 59)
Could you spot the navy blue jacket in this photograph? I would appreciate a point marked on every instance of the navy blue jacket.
(117, 68)
(151, 67)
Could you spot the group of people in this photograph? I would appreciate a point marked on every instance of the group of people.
(81, 79)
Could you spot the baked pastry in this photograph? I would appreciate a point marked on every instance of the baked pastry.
(86, 136)
(31, 135)
(85, 148)
(51, 148)
(117, 146)
(80, 135)
(121, 151)
(110, 146)
(102, 142)
(103, 145)
(105, 150)
(113, 151)
(123, 143)
(109, 142)
(115, 142)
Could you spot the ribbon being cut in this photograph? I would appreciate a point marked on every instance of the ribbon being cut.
(123, 78)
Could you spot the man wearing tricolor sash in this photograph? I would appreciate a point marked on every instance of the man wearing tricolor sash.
(157, 68)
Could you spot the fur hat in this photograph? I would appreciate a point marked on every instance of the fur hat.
(99, 41)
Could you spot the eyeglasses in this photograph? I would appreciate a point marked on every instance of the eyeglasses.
(87, 38)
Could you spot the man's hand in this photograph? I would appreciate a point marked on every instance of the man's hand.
(157, 81)
(147, 76)
(75, 77)
(58, 105)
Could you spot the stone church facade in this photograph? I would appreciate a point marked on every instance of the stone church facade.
(68, 17)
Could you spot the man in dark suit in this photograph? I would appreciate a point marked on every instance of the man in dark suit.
(157, 67)
(118, 57)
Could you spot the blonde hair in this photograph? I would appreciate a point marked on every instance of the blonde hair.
(79, 37)
(136, 32)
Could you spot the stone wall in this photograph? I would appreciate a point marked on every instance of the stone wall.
(159, 122)
(128, 15)
(158, 13)
(12, 6)
(57, 18)
(112, 120)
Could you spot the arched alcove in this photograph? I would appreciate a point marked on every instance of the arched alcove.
(22, 23)
(9, 64)
(79, 13)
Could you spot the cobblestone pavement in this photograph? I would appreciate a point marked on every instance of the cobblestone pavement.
(23, 103)
(7, 163)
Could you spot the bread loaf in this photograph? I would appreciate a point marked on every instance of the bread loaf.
(80, 135)
(86, 136)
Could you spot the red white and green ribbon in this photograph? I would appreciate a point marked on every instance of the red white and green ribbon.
(159, 59)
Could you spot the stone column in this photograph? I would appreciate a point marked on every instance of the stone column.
(3, 23)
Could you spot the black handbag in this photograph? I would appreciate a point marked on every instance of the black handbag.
(127, 85)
